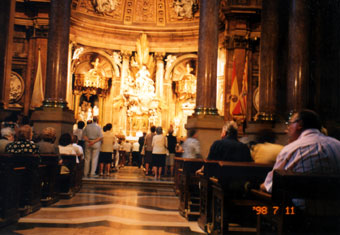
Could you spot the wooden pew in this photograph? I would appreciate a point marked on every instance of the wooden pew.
(178, 169)
(67, 181)
(79, 174)
(231, 202)
(29, 169)
(50, 183)
(205, 219)
(189, 189)
(10, 191)
(321, 194)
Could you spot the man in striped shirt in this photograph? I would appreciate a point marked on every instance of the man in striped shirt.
(308, 150)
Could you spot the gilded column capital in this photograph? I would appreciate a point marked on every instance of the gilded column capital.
(159, 55)
(126, 54)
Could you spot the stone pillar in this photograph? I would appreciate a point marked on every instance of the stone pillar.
(159, 85)
(298, 54)
(101, 107)
(207, 58)
(124, 75)
(69, 95)
(77, 95)
(205, 118)
(159, 74)
(125, 68)
(57, 54)
(7, 11)
(54, 111)
(269, 47)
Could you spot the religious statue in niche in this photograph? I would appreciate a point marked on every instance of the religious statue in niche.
(117, 63)
(104, 6)
(77, 53)
(185, 8)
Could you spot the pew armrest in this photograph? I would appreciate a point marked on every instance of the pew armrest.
(259, 194)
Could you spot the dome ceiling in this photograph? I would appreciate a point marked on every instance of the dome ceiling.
(171, 25)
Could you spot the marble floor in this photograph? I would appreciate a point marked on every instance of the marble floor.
(126, 202)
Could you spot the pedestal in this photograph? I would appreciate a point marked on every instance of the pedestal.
(61, 119)
(209, 129)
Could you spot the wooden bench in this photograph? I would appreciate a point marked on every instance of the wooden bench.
(79, 174)
(321, 194)
(178, 169)
(10, 191)
(210, 169)
(67, 181)
(189, 188)
(231, 202)
(29, 169)
(50, 183)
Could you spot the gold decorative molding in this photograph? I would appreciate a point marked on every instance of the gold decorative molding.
(128, 12)
(161, 12)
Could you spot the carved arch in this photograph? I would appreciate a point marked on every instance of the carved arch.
(176, 62)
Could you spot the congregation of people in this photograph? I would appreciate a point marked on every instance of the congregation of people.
(103, 152)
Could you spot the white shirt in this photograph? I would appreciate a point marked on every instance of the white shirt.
(311, 152)
(127, 147)
(79, 151)
(159, 144)
(67, 150)
(135, 147)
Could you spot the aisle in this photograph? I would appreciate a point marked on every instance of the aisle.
(107, 205)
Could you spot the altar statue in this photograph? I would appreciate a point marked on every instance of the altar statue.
(143, 81)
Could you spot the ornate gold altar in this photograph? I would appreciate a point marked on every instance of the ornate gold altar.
(141, 79)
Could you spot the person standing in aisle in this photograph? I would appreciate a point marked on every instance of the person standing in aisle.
(159, 147)
(105, 156)
(92, 135)
(172, 141)
(148, 149)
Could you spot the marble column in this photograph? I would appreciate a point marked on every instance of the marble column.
(124, 75)
(54, 112)
(57, 54)
(298, 54)
(77, 95)
(205, 118)
(101, 108)
(269, 46)
(159, 74)
(207, 58)
(125, 69)
(7, 11)
(159, 86)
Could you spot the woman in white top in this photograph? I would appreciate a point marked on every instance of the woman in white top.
(66, 147)
(105, 156)
(159, 147)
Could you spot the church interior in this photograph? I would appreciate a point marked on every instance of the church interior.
(178, 64)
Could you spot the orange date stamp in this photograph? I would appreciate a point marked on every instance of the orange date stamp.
(273, 210)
